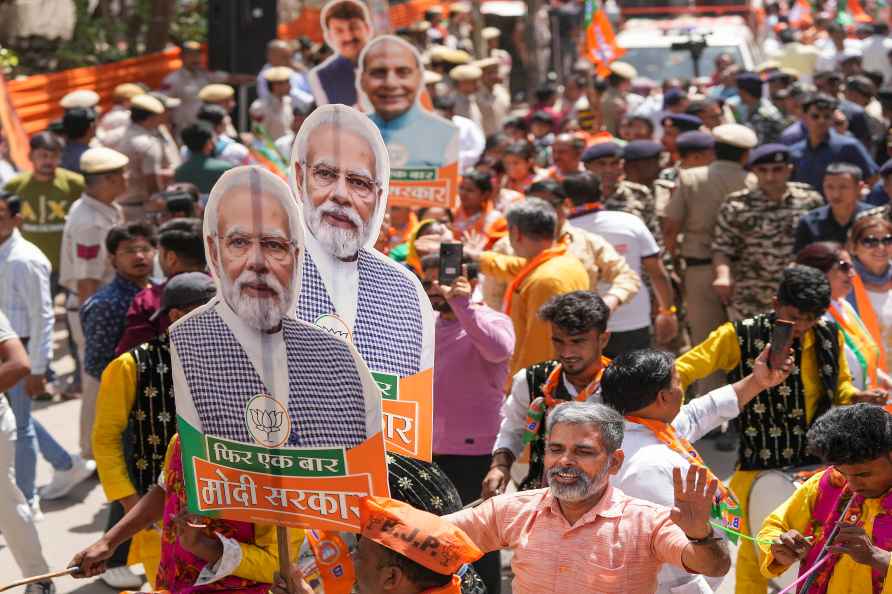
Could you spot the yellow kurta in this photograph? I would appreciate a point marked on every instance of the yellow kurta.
(556, 276)
(795, 513)
(721, 352)
(117, 395)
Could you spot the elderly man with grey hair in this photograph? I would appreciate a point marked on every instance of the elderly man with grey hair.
(391, 77)
(244, 351)
(339, 175)
(580, 534)
(541, 269)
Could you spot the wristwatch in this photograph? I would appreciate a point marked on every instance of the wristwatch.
(705, 540)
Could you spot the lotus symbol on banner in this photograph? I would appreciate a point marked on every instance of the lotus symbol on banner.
(268, 421)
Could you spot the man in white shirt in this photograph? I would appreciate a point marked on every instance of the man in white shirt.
(16, 521)
(278, 53)
(578, 333)
(471, 140)
(876, 52)
(84, 262)
(26, 300)
(339, 175)
(243, 358)
(644, 386)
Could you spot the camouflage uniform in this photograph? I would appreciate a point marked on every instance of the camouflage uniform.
(638, 200)
(756, 234)
(766, 121)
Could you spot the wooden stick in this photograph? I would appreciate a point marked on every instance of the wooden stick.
(40, 578)
(284, 557)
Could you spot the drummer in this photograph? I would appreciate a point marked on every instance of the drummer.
(857, 442)
(643, 385)
(774, 424)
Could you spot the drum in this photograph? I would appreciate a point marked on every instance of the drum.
(769, 490)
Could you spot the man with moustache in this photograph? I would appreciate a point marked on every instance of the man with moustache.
(347, 26)
(390, 76)
(245, 343)
(339, 173)
(580, 534)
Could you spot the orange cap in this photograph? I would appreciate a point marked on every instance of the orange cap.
(424, 538)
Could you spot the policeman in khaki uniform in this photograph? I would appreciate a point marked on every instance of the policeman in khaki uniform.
(144, 147)
(185, 83)
(83, 98)
(613, 103)
(275, 113)
(224, 96)
(692, 211)
(754, 233)
(466, 78)
(605, 160)
(695, 149)
(85, 266)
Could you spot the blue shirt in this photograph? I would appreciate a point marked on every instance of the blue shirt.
(71, 156)
(820, 225)
(334, 81)
(103, 317)
(793, 134)
(877, 195)
(811, 162)
(418, 139)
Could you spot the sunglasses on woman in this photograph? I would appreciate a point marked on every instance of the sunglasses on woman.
(845, 267)
(873, 242)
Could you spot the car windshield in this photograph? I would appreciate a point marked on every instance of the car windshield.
(661, 63)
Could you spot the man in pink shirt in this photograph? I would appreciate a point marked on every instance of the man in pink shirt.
(474, 344)
(582, 535)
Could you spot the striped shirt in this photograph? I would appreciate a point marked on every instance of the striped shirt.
(25, 297)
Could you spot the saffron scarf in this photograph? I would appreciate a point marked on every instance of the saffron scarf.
(543, 257)
(858, 338)
(584, 209)
(861, 300)
(725, 507)
(548, 400)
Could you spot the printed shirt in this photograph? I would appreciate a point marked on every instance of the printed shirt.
(618, 546)
(795, 513)
(102, 317)
(45, 206)
(721, 352)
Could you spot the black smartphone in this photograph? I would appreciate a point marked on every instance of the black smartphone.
(450, 263)
(781, 340)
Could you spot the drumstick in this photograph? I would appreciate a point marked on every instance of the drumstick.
(474, 503)
(842, 518)
(40, 578)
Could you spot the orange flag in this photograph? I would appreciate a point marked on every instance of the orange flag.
(600, 46)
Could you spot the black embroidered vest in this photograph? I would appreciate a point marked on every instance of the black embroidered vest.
(773, 424)
(153, 416)
(537, 377)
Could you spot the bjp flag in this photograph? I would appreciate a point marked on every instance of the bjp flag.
(600, 46)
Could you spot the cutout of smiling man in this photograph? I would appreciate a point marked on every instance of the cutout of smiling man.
(391, 77)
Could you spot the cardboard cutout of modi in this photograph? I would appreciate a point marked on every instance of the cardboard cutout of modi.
(279, 421)
(423, 147)
(339, 175)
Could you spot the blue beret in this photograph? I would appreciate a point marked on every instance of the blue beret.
(683, 121)
(694, 141)
(750, 82)
(672, 96)
(886, 169)
(638, 150)
(769, 153)
(600, 150)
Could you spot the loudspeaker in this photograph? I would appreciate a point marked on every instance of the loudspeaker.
(238, 31)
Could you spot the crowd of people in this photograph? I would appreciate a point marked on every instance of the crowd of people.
(628, 248)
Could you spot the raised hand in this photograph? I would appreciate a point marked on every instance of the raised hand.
(693, 501)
